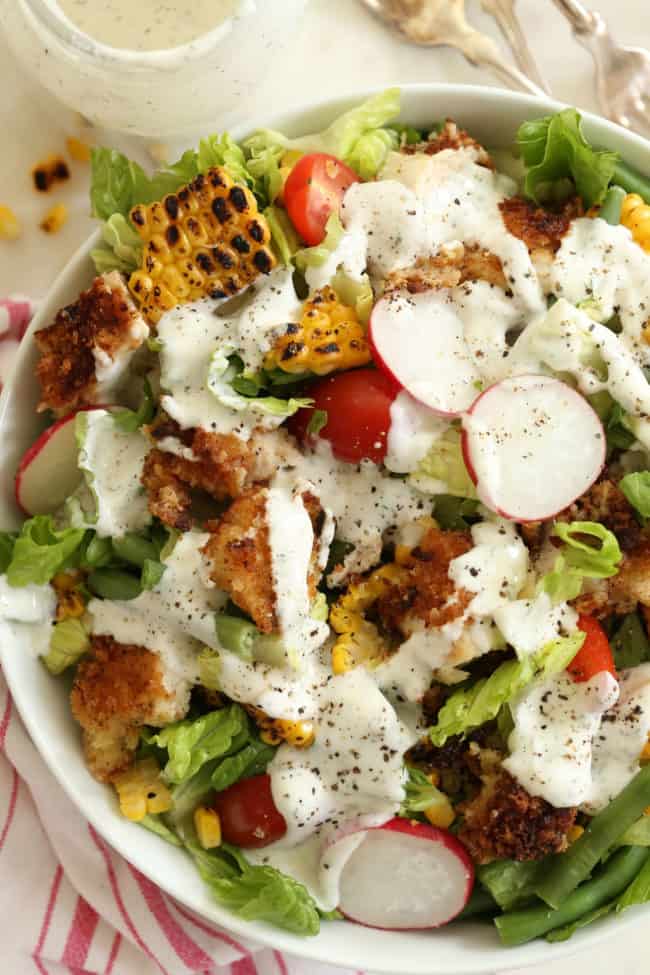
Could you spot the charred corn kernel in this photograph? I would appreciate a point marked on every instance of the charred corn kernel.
(635, 215)
(10, 227)
(70, 604)
(440, 813)
(342, 659)
(141, 791)
(208, 827)
(209, 238)
(298, 734)
(575, 833)
(52, 170)
(55, 219)
(360, 640)
(328, 337)
(78, 150)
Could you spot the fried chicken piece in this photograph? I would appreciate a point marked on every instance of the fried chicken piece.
(239, 555)
(425, 594)
(119, 688)
(450, 136)
(102, 329)
(540, 229)
(504, 822)
(217, 463)
(448, 268)
(632, 583)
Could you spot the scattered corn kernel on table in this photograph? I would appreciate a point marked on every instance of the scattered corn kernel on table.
(358, 53)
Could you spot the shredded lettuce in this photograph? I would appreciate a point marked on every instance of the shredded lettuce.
(636, 488)
(512, 882)
(222, 150)
(443, 470)
(472, 706)
(121, 247)
(68, 643)
(316, 256)
(224, 368)
(355, 294)
(580, 560)
(40, 551)
(558, 159)
(420, 794)
(156, 825)
(251, 760)
(7, 542)
(128, 421)
(370, 150)
(192, 743)
(455, 514)
(283, 235)
(255, 893)
(317, 421)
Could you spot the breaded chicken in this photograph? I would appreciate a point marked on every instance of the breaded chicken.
(540, 229)
(451, 266)
(504, 822)
(100, 330)
(450, 136)
(239, 555)
(425, 594)
(119, 688)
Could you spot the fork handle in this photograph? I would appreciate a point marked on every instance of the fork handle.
(582, 20)
(512, 76)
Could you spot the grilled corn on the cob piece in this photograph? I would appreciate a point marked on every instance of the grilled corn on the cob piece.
(209, 238)
(359, 640)
(635, 215)
(329, 336)
(273, 731)
(141, 791)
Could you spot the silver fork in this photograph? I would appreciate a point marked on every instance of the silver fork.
(442, 22)
(622, 73)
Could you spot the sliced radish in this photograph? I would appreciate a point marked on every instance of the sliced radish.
(418, 340)
(532, 445)
(48, 472)
(406, 875)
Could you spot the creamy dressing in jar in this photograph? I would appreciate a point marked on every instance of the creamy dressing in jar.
(147, 25)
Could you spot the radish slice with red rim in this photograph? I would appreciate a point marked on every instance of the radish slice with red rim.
(532, 445)
(406, 875)
(418, 341)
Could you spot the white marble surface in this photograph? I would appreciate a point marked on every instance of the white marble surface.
(341, 48)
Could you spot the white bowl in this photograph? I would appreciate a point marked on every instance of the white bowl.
(493, 117)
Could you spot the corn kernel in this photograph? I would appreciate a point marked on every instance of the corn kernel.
(298, 734)
(575, 833)
(141, 790)
(342, 659)
(55, 219)
(208, 827)
(52, 170)
(635, 215)
(10, 226)
(79, 150)
(441, 813)
(210, 232)
(328, 337)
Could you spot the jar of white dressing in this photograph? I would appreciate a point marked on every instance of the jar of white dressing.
(151, 68)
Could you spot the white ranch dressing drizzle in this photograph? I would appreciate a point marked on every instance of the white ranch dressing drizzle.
(112, 463)
(352, 776)
(529, 624)
(147, 25)
(601, 262)
(27, 616)
(495, 569)
(414, 429)
(286, 694)
(555, 724)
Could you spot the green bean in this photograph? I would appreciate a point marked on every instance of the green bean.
(99, 552)
(481, 902)
(114, 584)
(612, 205)
(236, 635)
(135, 549)
(631, 180)
(569, 869)
(519, 927)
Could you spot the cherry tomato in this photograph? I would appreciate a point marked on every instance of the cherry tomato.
(248, 814)
(357, 404)
(313, 190)
(595, 654)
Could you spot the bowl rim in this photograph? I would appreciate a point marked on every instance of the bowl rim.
(260, 932)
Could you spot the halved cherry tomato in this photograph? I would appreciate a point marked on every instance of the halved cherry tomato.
(595, 654)
(357, 404)
(313, 190)
(248, 814)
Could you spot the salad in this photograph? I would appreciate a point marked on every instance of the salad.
(338, 527)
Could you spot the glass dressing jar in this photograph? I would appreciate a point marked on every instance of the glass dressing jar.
(157, 94)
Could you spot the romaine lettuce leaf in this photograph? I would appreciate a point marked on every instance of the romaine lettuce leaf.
(224, 368)
(512, 882)
(580, 560)
(558, 157)
(193, 742)
(222, 150)
(472, 706)
(443, 470)
(283, 235)
(316, 256)
(156, 825)
(251, 760)
(7, 542)
(68, 643)
(121, 247)
(128, 421)
(636, 488)
(40, 551)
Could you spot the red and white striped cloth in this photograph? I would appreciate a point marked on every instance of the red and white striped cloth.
(68, 903)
